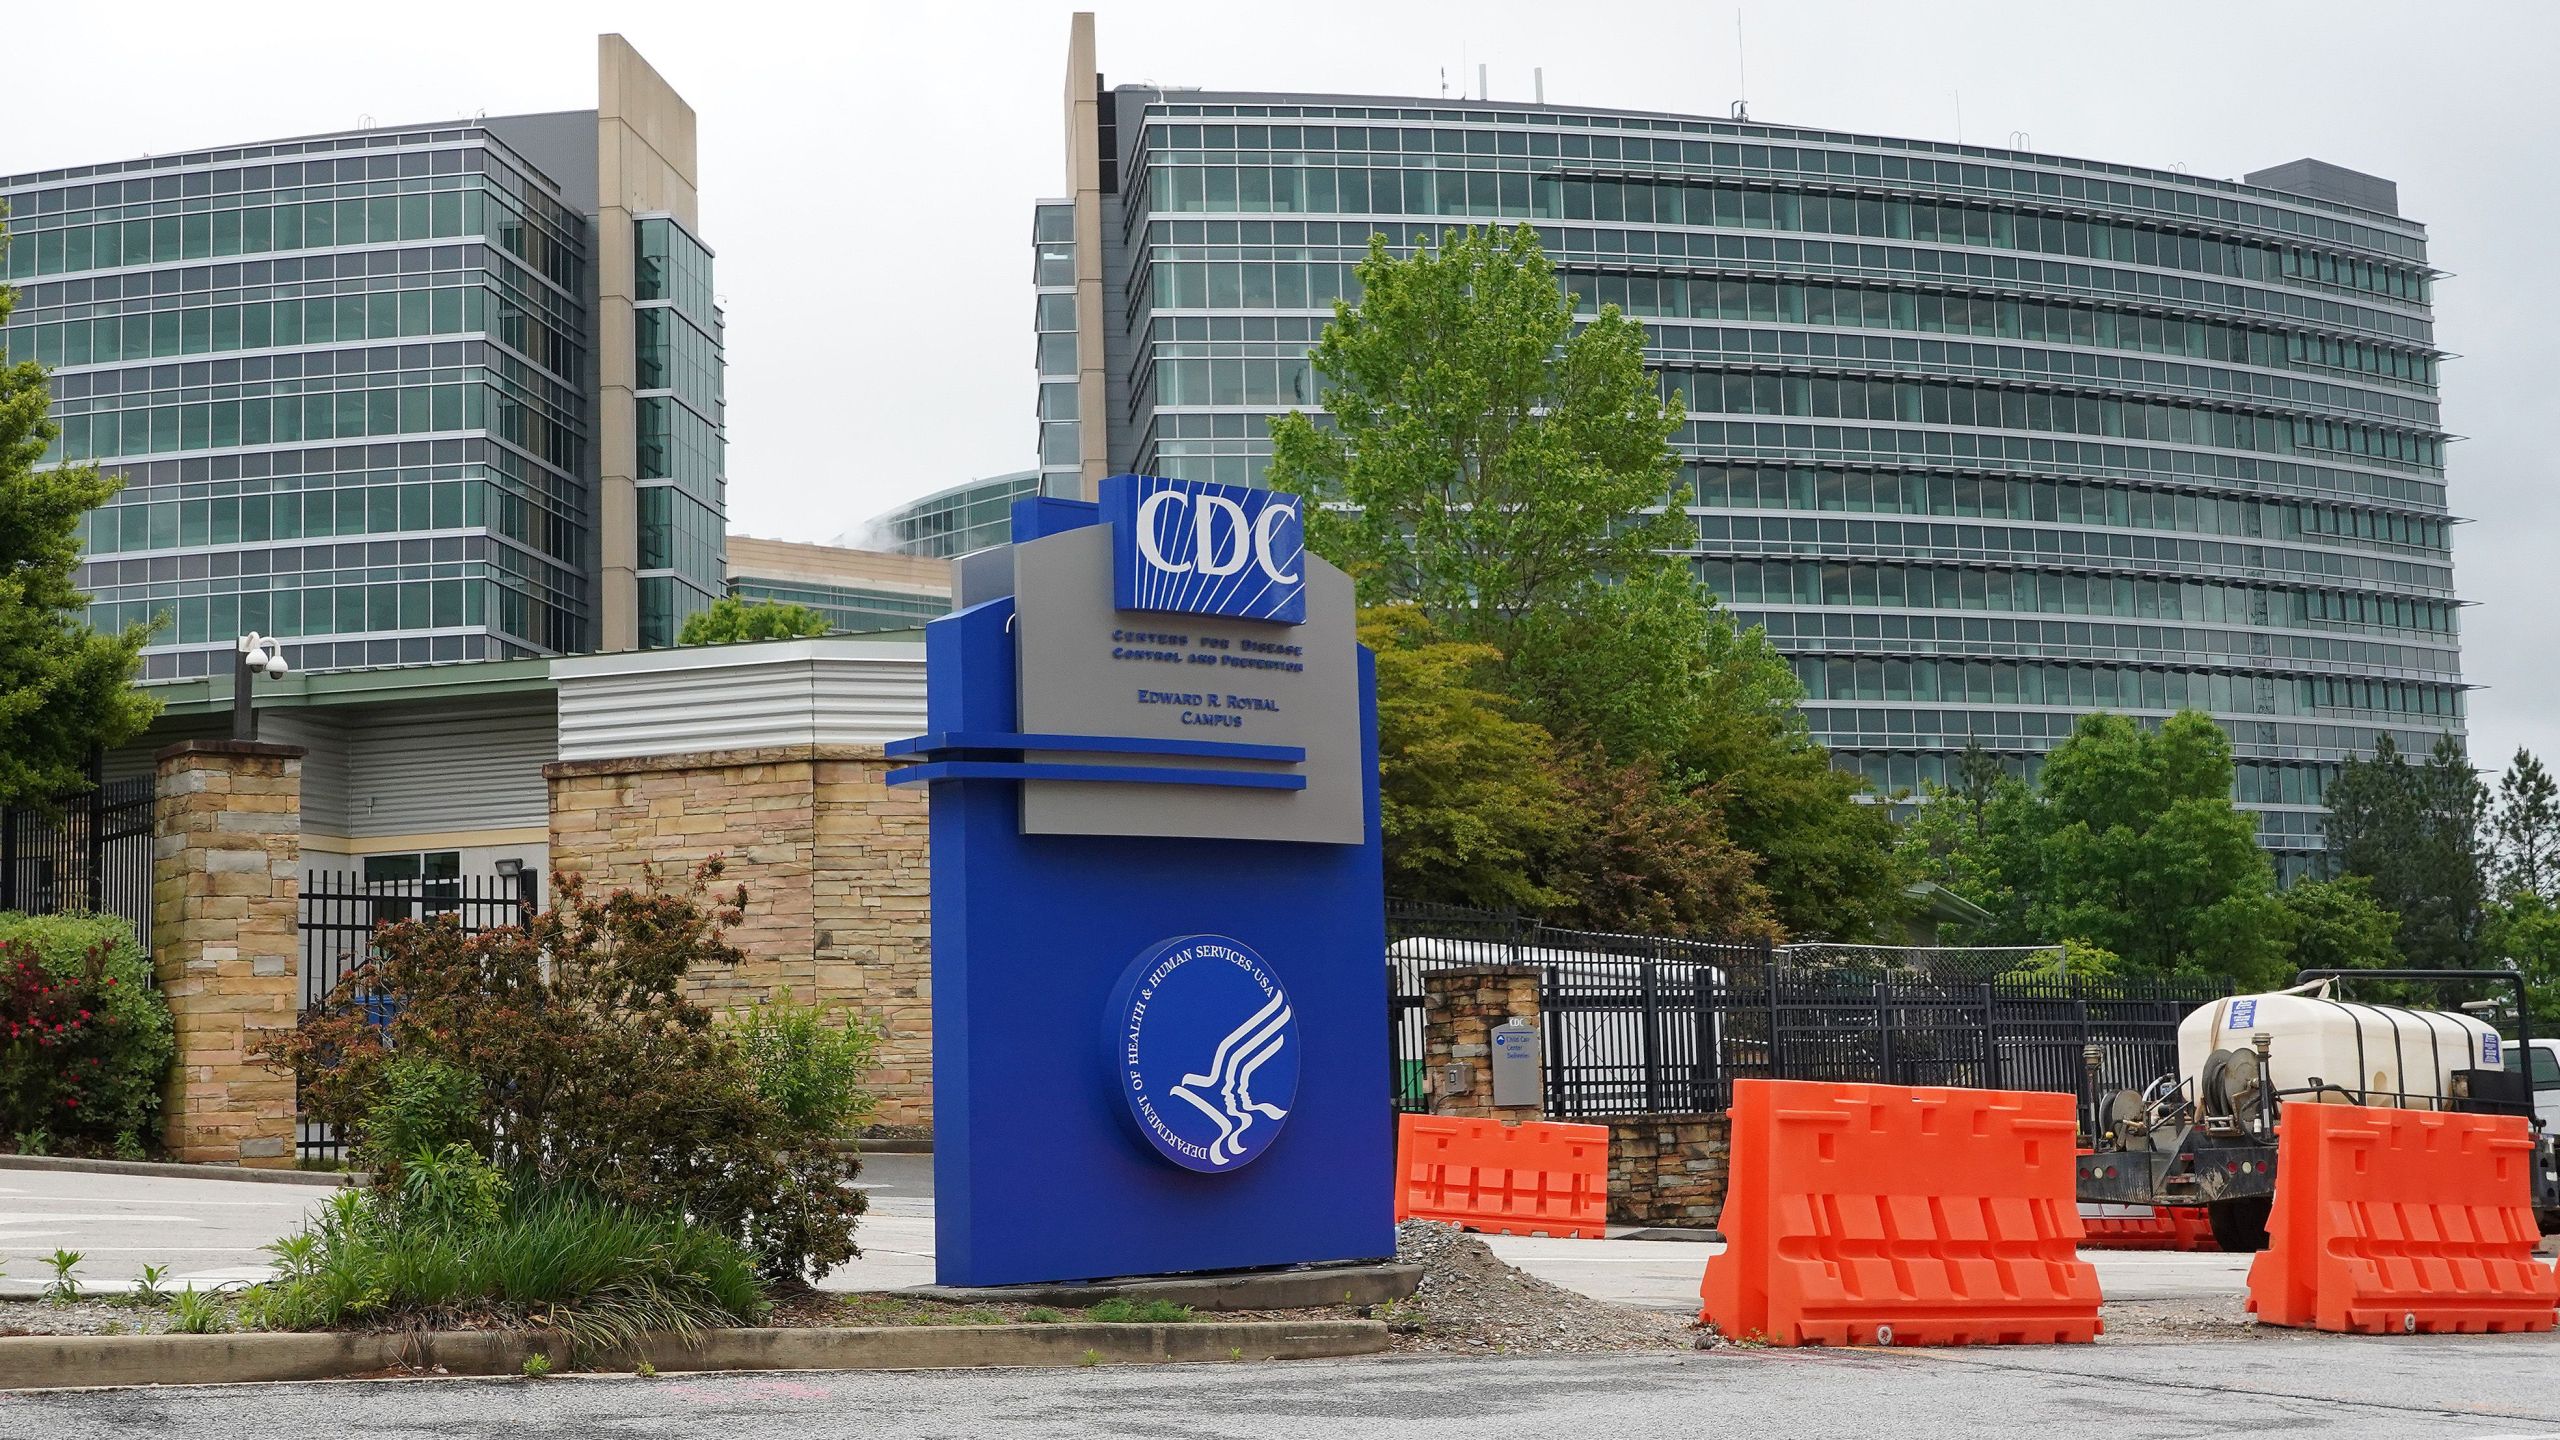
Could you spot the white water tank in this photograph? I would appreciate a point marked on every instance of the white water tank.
(2371, 1054)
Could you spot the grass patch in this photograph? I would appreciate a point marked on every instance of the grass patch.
(600, 1273)
(899, 1310)
(1152, 1312)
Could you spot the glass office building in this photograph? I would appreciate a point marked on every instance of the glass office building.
(1986, 440)
(354, 385)
(954, 521)
(681, 482)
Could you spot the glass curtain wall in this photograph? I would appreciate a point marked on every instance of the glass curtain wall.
(340, 377)
(682, 487)
(1986, 440)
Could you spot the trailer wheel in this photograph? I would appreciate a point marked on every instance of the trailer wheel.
(2240, 1226)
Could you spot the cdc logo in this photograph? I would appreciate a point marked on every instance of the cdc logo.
(1204, 1048)
(1199, 548)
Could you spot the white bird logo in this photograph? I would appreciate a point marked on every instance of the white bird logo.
(1246, 1049)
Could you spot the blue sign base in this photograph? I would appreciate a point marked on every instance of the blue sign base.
(1040, 1170)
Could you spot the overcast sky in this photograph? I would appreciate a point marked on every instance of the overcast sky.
(868, 171)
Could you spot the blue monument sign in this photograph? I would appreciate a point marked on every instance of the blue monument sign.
(1159, 990)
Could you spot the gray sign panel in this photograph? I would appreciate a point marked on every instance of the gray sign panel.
(1088, 669)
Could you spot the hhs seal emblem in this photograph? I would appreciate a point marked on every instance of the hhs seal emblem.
(1206, 1051)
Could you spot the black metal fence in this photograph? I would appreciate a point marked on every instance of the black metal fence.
(90, 850)
(341, 911)
(1638, 1024)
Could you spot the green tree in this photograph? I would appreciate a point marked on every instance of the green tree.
(2417, 832)
(1978, 779)
(2143, 852)
(1980, 843)
(2527, 828)
(1826, 855)
(1469, 798)
(2526, 931)
(2338, 925)
(1647, 857)
(1507, 474)
(2127, 841)
(730, 620)
(65, 689)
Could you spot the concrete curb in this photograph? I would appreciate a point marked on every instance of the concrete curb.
(1677, 1233)
(893, 1147)
(163, 1169)
(1307, 1289)
(63, 1362)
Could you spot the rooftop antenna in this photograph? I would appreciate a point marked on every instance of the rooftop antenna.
(1484, 87)
(1538, 82)
(1741, 71)
(1444, 82)
(1959, 117)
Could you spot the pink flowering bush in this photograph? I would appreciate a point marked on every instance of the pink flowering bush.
(85, 1040)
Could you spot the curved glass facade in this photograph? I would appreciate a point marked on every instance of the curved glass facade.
(1986, 440)
(949, 522)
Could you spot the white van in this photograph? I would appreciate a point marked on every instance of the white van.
(2544, 1058)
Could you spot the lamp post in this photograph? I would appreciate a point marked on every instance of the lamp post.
(258, 656)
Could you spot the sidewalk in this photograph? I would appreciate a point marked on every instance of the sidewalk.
(210, 1231)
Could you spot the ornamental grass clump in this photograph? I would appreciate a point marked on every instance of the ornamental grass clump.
(453, 1242)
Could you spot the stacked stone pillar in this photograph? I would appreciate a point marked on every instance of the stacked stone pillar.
(225, 901)
(1460, 1008)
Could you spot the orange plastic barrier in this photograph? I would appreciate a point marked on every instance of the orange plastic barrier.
(1534, 1178)
(1885, 1215)
(2402, 1221)
(2147, 1227)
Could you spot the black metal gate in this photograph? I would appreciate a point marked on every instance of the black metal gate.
(341, 911)
(90, 850)
(1642, 1025)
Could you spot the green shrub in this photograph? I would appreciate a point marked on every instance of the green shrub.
(64, 1289)
(193, 1313)
(590, 1069)
(599, 1272)
(450, 1189)
(809, 1062)
(420, 1104)
(147, 1289)
(85, 1040)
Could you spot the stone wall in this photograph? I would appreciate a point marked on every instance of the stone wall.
(1460, 1008)
(225, 925)
(834, 861)
(1668, 1169)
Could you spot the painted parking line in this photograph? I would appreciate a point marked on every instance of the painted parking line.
(72, 1215)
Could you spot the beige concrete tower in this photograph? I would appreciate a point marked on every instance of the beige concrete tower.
(1084, 183)
(644, 166)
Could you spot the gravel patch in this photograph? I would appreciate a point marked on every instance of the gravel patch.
(81, 1317)
(2215, 1317)
(1471, 1303)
